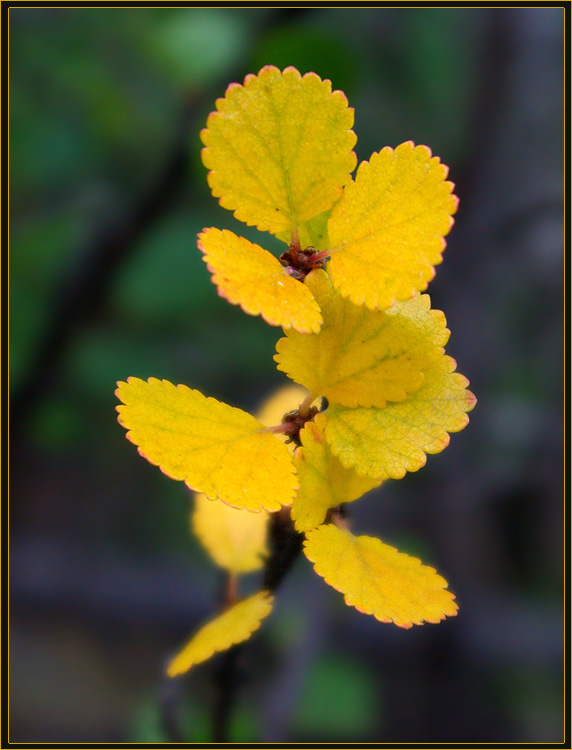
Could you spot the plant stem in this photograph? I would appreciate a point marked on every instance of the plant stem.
(304, 408)
(285, 546)
(227, 680)
(280, 428)
(170, 692)
(322, 255)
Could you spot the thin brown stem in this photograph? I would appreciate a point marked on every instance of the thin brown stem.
(231, 591)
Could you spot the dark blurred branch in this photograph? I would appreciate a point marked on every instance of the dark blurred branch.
(285, 546)
(82, 293)
(227, 674)
(169, 709)
(490, 94)
(228, 678)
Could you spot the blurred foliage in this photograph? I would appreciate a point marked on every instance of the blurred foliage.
(91, 128)
(195, 722)
(340, 698)
(96, 99)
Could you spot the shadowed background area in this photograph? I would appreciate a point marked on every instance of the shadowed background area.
(107, 196)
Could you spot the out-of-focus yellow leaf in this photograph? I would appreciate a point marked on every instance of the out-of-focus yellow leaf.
(247, 275)
(233, 626)
(385, 443)
(362, 357)
(324, 482)
(378, 580)
(285, 399)
(235, 538)
(279, 148)
(387, 232)
(215, 448)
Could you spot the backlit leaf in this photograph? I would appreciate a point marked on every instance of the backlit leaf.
(215, 448)
(378, 580)
(362, 357)
(324, 482)
(279, 148)
(385, 443)
(249, 276)
(387, 232)
(235, 538)
(233, 626)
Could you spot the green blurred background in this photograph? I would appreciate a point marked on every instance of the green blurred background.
(107, 196)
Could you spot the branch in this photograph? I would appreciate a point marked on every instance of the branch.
(285, 545)
(170, 708)
(82, 293)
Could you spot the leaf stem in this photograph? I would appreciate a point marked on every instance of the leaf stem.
(322, 255)
(295, 240)
(339, 517)
(231, 590)
(304, 408)
(284, 427)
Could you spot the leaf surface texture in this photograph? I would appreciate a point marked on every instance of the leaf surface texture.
(279, 148)
(247, 275)
(215, 448)
(387, 231)
(378, 580)
(362, 357)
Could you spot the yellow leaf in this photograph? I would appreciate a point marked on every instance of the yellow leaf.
(362, 357)
(249, 276)
(385, 443)
(235, 538)
(324, 482)
(378, 580)
(216, 449)
(387, 232)
(279, 148)
(233, 626)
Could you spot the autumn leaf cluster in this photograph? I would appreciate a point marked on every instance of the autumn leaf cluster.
(375, 391)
